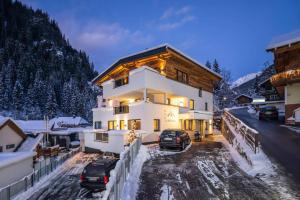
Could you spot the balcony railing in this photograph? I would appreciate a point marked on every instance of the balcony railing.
(121, 110)
(290, 76)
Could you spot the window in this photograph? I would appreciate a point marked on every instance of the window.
(1, 149)
(102, 137)
(168, 101)
(156, 125)
(121, 81)
(206, 106)
(112, 125)
(122, 125)
(98, 125)
(134, 124)
(181, 76)
(10, 146)
(200, 92)
(192, 104)
(188, 124)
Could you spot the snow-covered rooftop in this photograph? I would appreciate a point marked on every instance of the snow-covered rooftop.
(32, 126)
(285, 39)
(30, 143)
(69, 131)
(10, 158)
(59, 122)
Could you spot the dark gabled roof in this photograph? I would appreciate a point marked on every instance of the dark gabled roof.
(147, 53)
(244, 96)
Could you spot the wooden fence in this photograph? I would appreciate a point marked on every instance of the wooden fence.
(250, 136)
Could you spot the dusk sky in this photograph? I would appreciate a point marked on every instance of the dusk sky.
(236, 33)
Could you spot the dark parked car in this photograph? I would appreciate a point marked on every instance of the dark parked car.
(95, 175)
(268, 112)
(173, 138)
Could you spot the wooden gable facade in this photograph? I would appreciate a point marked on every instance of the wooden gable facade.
(169, 62)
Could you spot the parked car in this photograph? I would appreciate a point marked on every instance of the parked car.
(95, 175)
(268, 112)
(173, 138)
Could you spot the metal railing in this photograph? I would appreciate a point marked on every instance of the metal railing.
(121, 109)
(119, 175)
(250, 136)
(41, 169)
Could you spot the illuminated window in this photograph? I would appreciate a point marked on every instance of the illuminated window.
(156, 124)
(192, 104)
(122, 125)
(134, 124)
(112, 125)
(98, 125)
(188, 124)
(121, 81)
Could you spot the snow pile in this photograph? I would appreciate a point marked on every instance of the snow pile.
(244, 79)
(207, 168)
(256, 164)
(132, 183)
(167, 193)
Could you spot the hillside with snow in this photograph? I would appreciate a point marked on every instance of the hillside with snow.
(245, 79)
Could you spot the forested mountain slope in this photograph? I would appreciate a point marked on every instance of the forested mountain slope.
(40, 73)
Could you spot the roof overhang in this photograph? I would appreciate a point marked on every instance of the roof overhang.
(153, 52)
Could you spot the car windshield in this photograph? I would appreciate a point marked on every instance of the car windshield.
(270, 108)
(94, 169)
(170, 133)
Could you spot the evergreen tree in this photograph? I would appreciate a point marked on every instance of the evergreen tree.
(216, 67)
(2, 90)
(17, 96)
(208, 65)
(51, 105)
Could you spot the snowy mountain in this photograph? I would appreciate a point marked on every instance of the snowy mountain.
(245, 79)
(40, 72)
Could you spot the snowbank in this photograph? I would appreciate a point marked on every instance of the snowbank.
(132, 184)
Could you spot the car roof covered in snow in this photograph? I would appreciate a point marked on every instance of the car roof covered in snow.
(9, 158)
(284, 40)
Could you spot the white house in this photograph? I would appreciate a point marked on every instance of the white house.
(11, 135)
(156, 89)
(14, 166)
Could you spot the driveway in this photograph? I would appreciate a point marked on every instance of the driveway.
(279, 143)
(205, 171)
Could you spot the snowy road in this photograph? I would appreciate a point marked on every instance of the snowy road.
(65, 184)
(205, 171)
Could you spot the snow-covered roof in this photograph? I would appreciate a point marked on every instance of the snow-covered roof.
(264, 81)
(9, 158)
(13, 124)
(31, 143)
(32, 126)
(69, 131)
(283, 40)
(60, 122)
(244, 79)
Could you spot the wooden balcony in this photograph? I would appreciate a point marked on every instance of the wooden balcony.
(283, 78)
(121, 110)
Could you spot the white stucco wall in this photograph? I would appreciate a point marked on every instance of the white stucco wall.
(115, 144)
(292, 93)
(9, 136)
(15, 171)
(146, 77)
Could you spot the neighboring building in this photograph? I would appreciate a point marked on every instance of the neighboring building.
(15, 166)
(11, 135)
(150, 91)
(243, 99)
(286, 50)
(270, 93)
